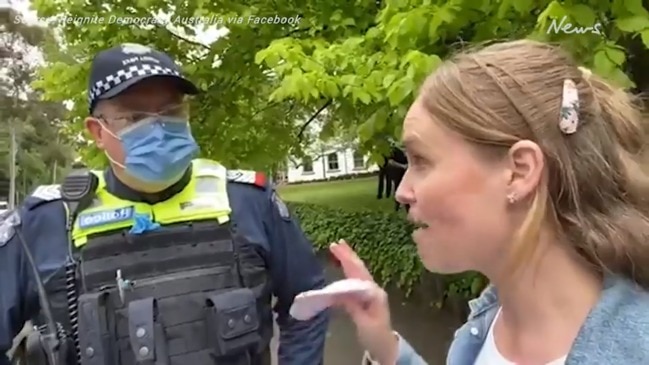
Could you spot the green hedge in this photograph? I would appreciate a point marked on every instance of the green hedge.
(383, 241)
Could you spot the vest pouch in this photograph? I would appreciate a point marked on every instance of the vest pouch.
(94, 330)
(146, 332)
(232, 322)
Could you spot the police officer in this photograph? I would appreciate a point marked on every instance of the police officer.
(172, 259)
(391, 172)
(397, 165)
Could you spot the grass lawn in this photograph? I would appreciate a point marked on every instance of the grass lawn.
(355, 194)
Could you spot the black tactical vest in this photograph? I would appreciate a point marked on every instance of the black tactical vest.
(192, 293)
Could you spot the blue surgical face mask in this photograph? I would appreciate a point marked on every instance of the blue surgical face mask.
(157, 150)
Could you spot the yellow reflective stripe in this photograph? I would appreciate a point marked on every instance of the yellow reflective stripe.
(205, 167)
(100, 179)
(80, 238)
(199, 215)
(187, 206)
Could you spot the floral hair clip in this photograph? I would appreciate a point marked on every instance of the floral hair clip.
(569, 121)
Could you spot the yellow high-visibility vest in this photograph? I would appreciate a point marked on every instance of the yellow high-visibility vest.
(205, 197)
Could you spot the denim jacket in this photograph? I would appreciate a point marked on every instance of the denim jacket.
(616, 331)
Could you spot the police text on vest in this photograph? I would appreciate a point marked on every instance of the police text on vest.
(105, 216)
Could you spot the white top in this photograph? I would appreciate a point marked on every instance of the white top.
(489, 354)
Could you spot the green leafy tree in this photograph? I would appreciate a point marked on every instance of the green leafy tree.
(42, 153)
(233, 119)
(361, 61)
(370, 75)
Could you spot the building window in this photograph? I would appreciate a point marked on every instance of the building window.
(307, 165)
(332, 161)
(359, 160)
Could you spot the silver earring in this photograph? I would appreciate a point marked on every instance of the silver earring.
(511, 198)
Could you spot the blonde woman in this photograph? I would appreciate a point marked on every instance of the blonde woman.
(526, 168)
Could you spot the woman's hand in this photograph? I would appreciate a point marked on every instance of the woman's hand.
(372, 316)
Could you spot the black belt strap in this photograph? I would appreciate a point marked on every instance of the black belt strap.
(146, 333)
(93, 324)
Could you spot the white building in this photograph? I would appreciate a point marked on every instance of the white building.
(331, 163)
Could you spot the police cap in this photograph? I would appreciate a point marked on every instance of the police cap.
(116, 69)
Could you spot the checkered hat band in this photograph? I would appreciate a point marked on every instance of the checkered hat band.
(125, 74)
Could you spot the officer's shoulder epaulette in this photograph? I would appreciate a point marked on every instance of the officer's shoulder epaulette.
(43, 194)
(8, 221)
(250, 177)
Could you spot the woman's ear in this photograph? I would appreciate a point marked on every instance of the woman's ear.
(526, 163)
